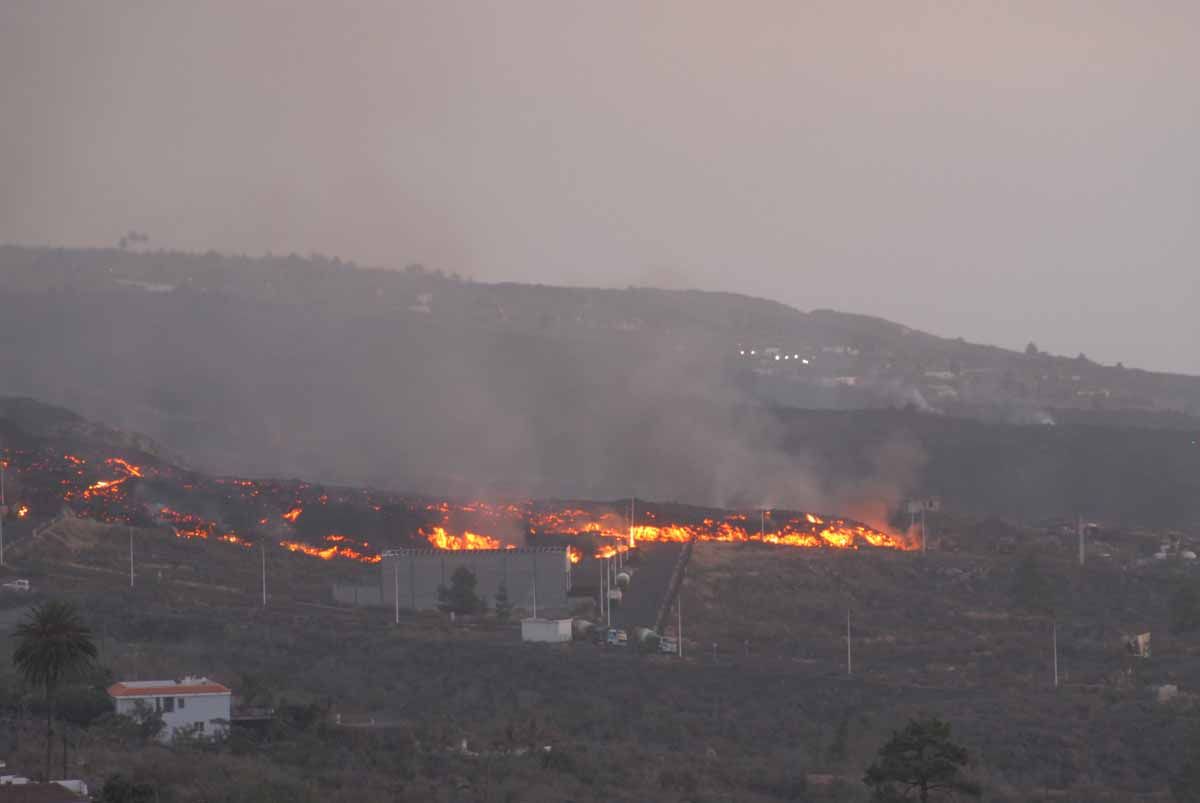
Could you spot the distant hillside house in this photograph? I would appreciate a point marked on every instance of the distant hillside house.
(193, 703)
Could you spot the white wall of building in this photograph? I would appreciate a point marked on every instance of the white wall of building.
(211, 711)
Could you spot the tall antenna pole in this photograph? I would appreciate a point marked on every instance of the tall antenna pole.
(264, 574)
(849, 665)
(130, 529)
(762, 523)
(396, 586)
(1055, 639)
(923, 538)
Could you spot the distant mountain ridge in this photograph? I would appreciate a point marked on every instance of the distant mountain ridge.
(311, 367)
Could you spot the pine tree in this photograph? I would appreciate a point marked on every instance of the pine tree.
(460, 597)
(920, 760)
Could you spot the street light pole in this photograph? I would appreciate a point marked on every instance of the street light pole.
(679, 625)
(264, 574)
(1055, 641)
(3, 510)
(849, 664)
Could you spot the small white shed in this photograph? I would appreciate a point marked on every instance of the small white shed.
(549, 630)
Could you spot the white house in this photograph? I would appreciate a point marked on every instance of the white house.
(189, 703)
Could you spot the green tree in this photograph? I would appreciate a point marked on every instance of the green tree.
(919, 761)
(1185, 609)
(460, 597)
(503, 604)
(53, 646)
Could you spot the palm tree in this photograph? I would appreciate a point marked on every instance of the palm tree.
(53, 645)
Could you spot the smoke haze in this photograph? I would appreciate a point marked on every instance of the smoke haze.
(1005, 173)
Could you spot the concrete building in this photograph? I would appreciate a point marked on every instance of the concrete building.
(197, 703)
(552, 631)
(416, 574)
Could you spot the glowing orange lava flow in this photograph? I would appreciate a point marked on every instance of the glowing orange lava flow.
(340, 547)
(439, 538)
(293, 514)
(803, 530)
(129, 468)
(776, 527)
(22, 511)
(110, 488)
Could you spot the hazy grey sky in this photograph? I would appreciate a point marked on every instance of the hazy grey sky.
(1000, 171)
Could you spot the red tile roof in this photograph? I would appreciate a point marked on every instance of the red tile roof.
(174, 690)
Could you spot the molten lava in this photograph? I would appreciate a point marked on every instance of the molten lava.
(341, 547)
(111, 489)
(130, 469)
(441, 539)
(99, 487)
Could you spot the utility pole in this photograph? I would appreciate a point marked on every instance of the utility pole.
(130, 529)
(396, 586)
(1082, 539)
(923, 538)
(679, 625)
(632, 519)
(608, 593)
(1055, 641)
(762, 523)
(264, 573)
(533, 560)
(3, 510)
(849, 666)
(603, 615)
